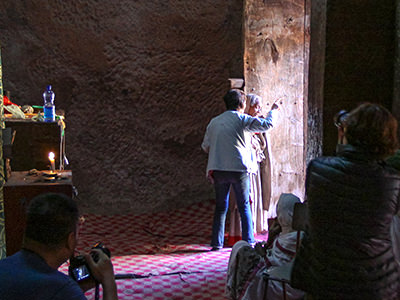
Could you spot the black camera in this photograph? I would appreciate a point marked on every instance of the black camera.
(79, 269)
(340, 118)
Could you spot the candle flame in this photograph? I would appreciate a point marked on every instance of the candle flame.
(51, 156)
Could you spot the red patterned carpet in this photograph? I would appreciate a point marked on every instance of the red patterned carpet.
(166, 253)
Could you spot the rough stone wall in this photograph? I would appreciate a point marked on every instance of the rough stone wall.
(138, 80)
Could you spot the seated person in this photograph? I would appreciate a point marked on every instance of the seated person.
(394, 161)
(50, 239)
(352, 198)
(247, 265)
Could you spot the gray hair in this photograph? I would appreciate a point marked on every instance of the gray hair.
(254, 99)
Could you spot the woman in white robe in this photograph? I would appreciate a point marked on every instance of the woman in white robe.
(245, 279)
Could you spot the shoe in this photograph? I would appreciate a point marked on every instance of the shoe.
(215, 248)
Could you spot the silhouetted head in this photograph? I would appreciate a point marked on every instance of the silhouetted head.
(372, 128)
(285, 209)
(51, 218)
(235, 99)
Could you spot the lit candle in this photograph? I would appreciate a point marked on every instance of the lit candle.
(51, 158)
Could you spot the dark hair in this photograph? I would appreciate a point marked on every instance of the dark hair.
(234, 99)
(50, 218)
(373, 128)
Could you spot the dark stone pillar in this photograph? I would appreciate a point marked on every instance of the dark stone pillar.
(316, 79)
(359, 64)
(396, 83)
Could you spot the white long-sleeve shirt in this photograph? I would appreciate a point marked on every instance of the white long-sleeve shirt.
(225, 141)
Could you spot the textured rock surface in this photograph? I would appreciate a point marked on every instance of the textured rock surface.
(138, 80)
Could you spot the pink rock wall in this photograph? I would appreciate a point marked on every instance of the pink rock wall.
(139, 82)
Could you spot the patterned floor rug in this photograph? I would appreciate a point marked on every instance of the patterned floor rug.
(161, 256)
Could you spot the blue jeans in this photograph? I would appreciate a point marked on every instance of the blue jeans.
(240, 182)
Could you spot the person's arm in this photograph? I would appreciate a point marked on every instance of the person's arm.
(271, 115)
(205, 145)
(261, 124)
(103, 272)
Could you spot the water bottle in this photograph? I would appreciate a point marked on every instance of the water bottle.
(49, 108)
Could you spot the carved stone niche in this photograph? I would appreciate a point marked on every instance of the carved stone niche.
(236, 83)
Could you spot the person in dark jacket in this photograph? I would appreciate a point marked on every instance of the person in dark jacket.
(347, 252)
(394, 161)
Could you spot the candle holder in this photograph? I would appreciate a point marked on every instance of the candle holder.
(52, 172)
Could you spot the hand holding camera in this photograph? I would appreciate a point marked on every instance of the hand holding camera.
(95, 267)
(100, 265)
(82, 266)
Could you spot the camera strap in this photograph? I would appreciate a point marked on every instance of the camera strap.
(97, 291)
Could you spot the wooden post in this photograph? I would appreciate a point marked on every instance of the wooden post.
(276, 40)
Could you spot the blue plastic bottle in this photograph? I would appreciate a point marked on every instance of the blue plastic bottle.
(49, 108)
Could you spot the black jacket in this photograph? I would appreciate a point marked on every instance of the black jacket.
(347, 253)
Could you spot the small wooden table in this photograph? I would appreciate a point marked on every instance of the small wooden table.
(19, 189)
